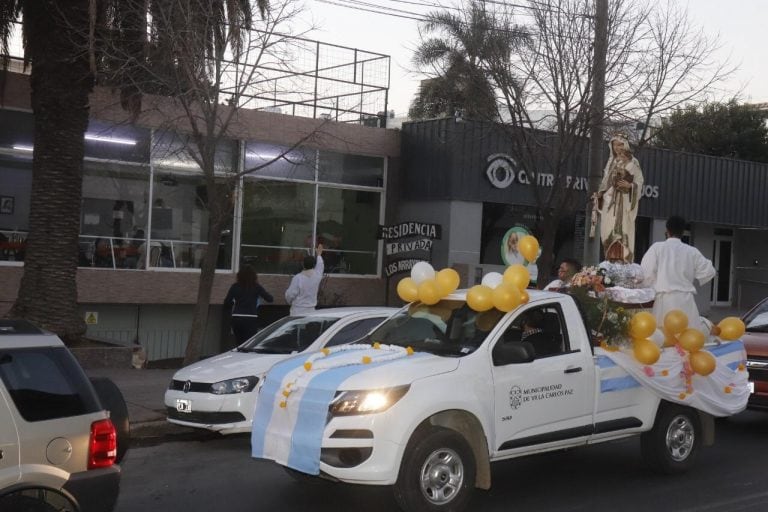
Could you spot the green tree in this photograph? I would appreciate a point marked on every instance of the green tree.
(721, 129)
(451, 52)
(63, 41)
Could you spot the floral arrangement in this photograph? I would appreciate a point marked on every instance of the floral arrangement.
(595, 279)
(608, 320)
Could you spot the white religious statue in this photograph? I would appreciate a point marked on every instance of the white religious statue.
(617, 200)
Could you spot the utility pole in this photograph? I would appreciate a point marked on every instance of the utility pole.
(596, 144)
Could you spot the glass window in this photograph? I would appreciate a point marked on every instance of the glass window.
(541, 327)
(179, 212)
(46, 383)
(297, 164)
(114, 213)
(346, 221)
(125, 143)
(277, 225)
(16, 144)
(351, 169)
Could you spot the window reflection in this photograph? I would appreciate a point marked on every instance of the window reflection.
(277, 224)
(351, 169)
(274, 161)
(346, 221)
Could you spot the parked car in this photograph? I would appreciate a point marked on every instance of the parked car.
(58, 446)
(756, 342)
(218, 393)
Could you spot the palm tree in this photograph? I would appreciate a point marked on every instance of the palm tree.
(455, 48)
(63, 41)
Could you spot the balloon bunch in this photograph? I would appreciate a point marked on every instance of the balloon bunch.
(426, 285)
(641, 327)
(501, 291)
(677, 333)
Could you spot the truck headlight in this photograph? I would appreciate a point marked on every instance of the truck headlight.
(351, 403)
(238, 385)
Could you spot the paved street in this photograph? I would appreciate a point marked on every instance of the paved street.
(218, 474)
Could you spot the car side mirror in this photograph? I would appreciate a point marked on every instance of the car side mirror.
(513, 353)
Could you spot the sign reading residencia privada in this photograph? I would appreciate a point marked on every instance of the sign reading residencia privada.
(407, 237)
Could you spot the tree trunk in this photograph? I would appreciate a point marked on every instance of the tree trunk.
(547, 244)
(60, 84)
(217, 220)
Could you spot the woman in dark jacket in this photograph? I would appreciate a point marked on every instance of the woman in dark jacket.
(242, 301)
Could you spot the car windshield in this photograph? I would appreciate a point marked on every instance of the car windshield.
(757, 320)
(288, 335)
(448, 328)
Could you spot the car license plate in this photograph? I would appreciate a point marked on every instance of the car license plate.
(751, 387)
(183, 405)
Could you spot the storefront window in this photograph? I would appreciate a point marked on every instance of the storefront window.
(277, 224)
(114, 214)
(351, 169)
(16, 145)
(179, 213)
(346, 221)
(273, 161)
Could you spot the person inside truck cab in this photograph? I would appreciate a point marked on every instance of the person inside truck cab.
(539, 331)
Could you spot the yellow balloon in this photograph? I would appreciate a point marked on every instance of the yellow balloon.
(480, 298)
(528, 247)
(524, 297)
(692, 339)
(731, 328)
(517, 275)
(429, 293)
(447, 281)
(646, 351)
(702, 362)
(506, 297)
(675, 321)
(407, 290)
(642, 325)
(670, 340)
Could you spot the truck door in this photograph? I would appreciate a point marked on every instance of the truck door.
(548, 400)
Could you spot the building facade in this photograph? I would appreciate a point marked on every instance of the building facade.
(460, 174)
(144, 219)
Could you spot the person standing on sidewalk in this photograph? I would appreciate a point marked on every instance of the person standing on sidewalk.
(302, 293)
(671, 267)
(242, 302)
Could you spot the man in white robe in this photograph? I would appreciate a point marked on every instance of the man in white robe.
(671, 267)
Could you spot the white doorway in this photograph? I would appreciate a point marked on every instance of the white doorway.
(722, 259)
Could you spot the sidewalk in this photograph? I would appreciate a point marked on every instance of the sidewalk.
(143, 391)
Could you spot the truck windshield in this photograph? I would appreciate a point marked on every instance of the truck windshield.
(448, 328)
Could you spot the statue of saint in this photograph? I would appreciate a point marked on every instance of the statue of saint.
(617, 201)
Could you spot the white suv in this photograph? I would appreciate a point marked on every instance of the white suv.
(57, 443)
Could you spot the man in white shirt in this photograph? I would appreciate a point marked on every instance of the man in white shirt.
(671, 267)
(565, 272)
(302, 293)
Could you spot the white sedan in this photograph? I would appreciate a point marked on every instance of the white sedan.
(218, 393)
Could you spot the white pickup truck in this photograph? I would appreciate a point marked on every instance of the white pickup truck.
(439, 392)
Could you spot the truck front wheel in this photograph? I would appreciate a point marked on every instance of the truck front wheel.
(673, 443)
(437, 472)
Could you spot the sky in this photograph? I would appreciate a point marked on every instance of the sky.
(740, 25)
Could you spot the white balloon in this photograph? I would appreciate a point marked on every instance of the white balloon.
(492, 279)
(422, 271)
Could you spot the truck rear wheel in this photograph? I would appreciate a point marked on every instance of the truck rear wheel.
(673, 443)
(437, 472)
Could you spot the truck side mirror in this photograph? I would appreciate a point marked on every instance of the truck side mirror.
(513, 353)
